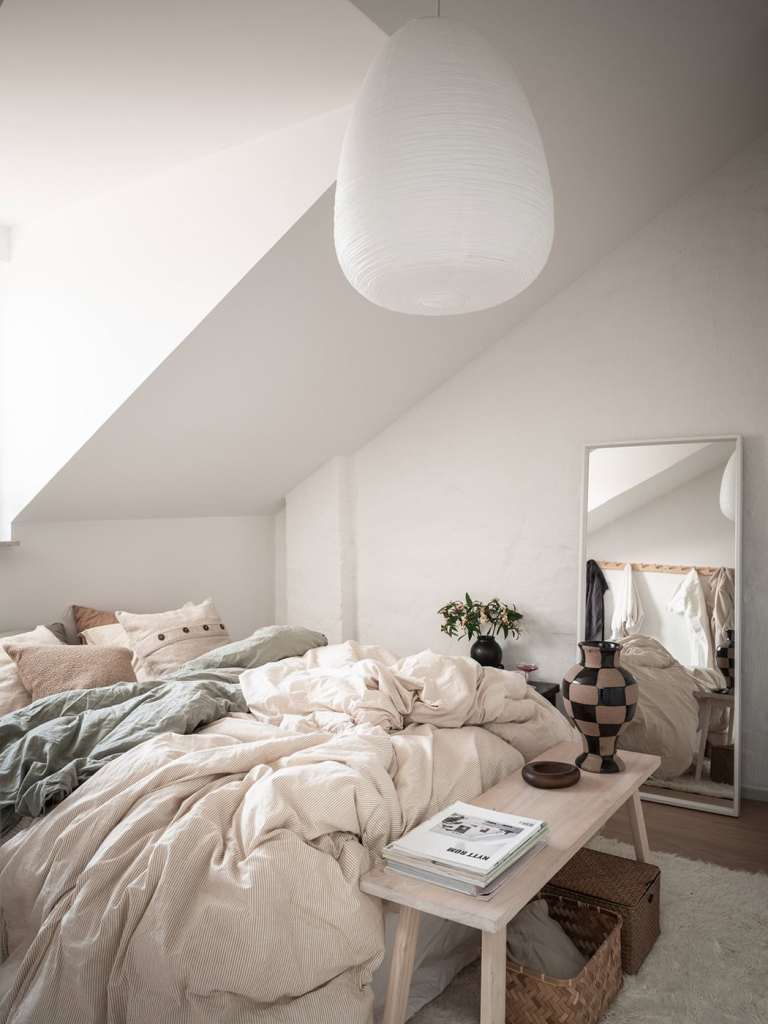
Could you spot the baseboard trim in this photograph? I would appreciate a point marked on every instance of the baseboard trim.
(754, 793)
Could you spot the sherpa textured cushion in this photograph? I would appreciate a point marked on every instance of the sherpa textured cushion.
(163, 642)
(12, 694)
(47, 670)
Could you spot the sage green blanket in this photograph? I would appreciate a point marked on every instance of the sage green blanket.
(53, 745)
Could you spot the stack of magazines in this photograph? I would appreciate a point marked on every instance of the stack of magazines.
(465, 848)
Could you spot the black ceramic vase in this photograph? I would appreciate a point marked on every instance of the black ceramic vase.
(486, 651)
(600, 697)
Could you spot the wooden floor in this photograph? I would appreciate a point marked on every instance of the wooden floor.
(739, 843)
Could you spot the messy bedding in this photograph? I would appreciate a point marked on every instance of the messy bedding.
(667, 718)
(211, 872)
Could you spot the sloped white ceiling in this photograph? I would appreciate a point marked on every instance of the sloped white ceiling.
(131, 220)
(95, 93)
(99, 293)
(637, 104)
(291, 368)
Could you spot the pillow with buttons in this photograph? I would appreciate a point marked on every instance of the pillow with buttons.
(162, 642)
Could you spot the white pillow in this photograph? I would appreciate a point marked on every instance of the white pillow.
(12, 694)
(162, 642)
(106, 636)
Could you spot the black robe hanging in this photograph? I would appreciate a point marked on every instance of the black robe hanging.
(596, 588)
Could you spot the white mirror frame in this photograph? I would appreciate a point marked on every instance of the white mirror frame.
(737, 440)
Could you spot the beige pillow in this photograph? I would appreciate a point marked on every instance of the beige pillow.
(105, 636)
(47, 670)
(12, 694)
(163, 642)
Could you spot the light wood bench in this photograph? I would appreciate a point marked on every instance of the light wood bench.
(574, 816)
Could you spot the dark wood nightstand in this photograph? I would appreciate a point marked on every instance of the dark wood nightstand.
(547, 690)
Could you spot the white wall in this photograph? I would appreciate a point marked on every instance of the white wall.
(5, 270)
(4, 275)
(319, 567)
(102, 291)
(281, 608)
(684, 527)
(478, 486)
(140, 565)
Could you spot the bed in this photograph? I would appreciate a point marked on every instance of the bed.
(211, 873)
(667, 718)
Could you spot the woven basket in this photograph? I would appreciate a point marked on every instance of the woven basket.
(626, 887)
(721, 764)
(537, 999)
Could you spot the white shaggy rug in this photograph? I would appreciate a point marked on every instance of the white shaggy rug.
(709, 966)
(687, 784)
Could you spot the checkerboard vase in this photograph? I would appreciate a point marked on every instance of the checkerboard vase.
(725, 658)
(600, 697)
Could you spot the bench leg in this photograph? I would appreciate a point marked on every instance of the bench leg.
(706, 718)
(639, 834)
(493, 975)
(401, 969)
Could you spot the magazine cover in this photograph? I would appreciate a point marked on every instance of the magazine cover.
(471, 837)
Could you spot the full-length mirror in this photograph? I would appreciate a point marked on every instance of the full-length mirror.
(661, 576)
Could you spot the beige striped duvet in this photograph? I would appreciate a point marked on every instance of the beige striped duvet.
(214, 877)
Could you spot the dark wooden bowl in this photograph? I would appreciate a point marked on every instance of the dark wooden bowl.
(551, 774)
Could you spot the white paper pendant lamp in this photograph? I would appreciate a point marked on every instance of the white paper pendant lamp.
(728, 489)
(443, 198)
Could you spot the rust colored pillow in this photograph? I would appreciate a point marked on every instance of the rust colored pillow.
(53, 669)
(87, 618)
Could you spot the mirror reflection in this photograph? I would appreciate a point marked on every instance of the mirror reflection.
(661, 581)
